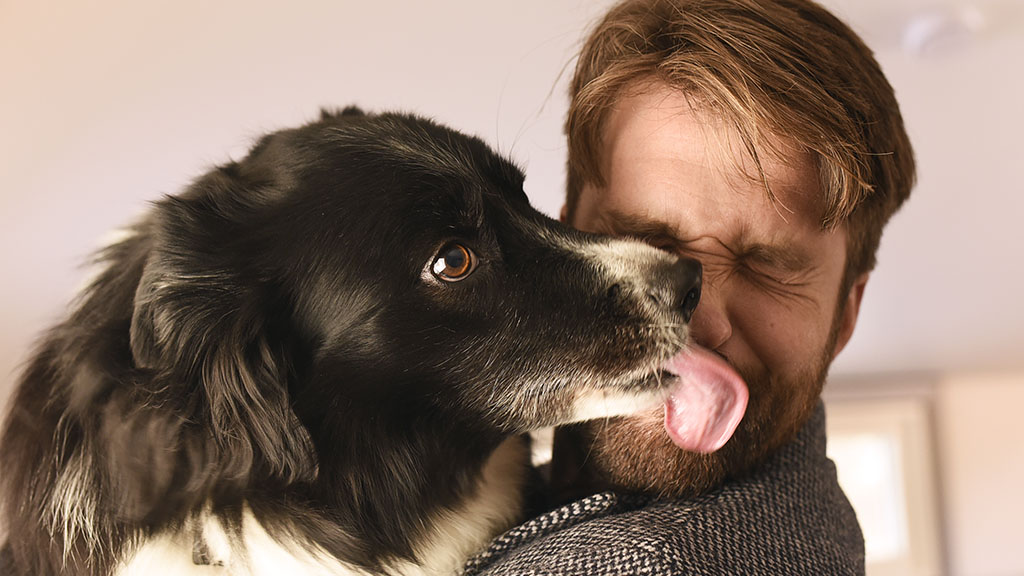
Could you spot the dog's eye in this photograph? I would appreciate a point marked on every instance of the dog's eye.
(453, 263)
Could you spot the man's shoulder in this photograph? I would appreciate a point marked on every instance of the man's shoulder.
(726, 532)
(789, 517)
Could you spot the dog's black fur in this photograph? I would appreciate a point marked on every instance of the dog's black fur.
(275, 338)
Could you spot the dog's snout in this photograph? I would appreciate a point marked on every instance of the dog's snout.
(652, 280)
(690, 276)
(681, 282)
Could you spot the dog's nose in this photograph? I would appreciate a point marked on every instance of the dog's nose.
(675, 286)
(671, 285)
(687, 276)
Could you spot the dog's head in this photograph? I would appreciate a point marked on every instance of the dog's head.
(381, 272)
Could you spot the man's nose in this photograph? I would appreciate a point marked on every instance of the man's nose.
(711, 326)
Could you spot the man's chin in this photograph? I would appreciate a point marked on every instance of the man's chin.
(632, 454)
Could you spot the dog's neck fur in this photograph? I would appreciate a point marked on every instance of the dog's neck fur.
(450, 536)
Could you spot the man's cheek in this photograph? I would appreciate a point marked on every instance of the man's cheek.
(777, 346)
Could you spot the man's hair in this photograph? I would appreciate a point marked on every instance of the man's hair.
(771, 68)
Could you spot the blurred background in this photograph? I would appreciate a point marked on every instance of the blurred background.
(107, 105)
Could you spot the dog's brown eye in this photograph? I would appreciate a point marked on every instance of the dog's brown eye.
(453, 263)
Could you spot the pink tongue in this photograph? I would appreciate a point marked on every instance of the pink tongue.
(706, 404)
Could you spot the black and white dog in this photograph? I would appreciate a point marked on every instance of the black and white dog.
(321, 359)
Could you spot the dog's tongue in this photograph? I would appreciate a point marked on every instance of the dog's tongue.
(705, 406)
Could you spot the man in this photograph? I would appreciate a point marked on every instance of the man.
(761, 138)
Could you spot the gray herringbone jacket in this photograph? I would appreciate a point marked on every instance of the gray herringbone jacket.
(790, 517)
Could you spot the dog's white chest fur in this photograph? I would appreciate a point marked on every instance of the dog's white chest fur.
(456, 535)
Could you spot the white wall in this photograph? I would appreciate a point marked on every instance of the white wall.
(981, 432)
(955, 470)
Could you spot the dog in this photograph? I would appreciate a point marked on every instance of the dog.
(322, 359)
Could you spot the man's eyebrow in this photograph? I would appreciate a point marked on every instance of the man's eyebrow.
(783, 257)
(639, 226)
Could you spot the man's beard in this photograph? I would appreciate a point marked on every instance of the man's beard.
(635, 454)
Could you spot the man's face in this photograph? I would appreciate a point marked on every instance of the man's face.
(679, 179)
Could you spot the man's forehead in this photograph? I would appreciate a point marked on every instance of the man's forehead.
(661, 121)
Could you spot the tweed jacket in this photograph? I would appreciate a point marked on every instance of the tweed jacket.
(789, 517)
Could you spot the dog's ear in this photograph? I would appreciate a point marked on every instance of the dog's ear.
(211, 345)
(330, 114)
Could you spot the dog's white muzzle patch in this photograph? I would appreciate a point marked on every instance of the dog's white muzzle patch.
(597, 404)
